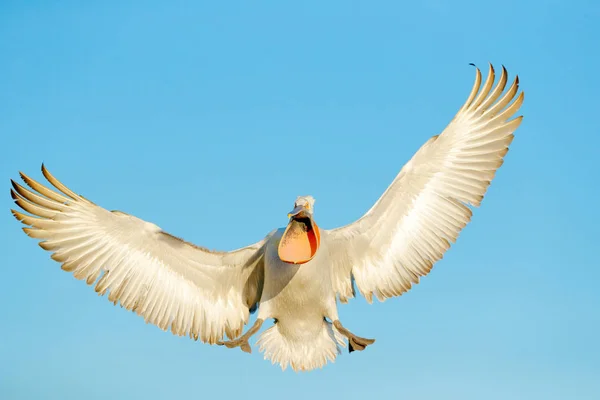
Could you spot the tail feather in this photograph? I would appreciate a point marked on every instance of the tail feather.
(302, 354)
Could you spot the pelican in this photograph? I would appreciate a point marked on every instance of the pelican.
(296, 275)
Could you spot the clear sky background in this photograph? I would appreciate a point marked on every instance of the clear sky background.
(185, 114)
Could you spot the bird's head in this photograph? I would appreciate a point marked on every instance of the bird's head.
(303, 208)
(301, 238)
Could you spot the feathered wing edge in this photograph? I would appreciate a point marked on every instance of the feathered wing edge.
(169, 282)
(423, 211)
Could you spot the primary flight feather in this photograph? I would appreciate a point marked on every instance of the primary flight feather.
(296, 274)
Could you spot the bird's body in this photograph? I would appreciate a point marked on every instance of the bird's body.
(290, 287)
(296, 274)
(299, 297)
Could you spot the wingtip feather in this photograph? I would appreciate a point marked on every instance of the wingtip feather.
(58, 184)
(14, 213)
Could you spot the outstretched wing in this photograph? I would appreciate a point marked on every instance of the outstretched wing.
(171, 283)
(424, 209)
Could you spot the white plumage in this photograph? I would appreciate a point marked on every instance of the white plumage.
(206, 295)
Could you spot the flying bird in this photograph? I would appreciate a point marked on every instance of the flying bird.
(297, 274)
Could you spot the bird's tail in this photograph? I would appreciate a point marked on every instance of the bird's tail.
(301, 352)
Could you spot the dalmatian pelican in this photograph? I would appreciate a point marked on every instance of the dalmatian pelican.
(296, 275)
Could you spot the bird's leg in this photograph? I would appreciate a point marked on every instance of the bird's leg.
(242, 341)
(354, 342)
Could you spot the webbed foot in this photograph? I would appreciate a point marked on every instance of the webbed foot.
(355, 343)
(242, 341)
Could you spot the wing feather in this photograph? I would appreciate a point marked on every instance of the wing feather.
(169, 282)
(425, 208)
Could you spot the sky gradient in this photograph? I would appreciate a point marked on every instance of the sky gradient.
(185, 114)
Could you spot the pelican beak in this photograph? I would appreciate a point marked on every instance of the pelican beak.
(297, 211)
(301, 238)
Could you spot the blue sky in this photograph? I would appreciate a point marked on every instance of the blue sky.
(184, 113)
